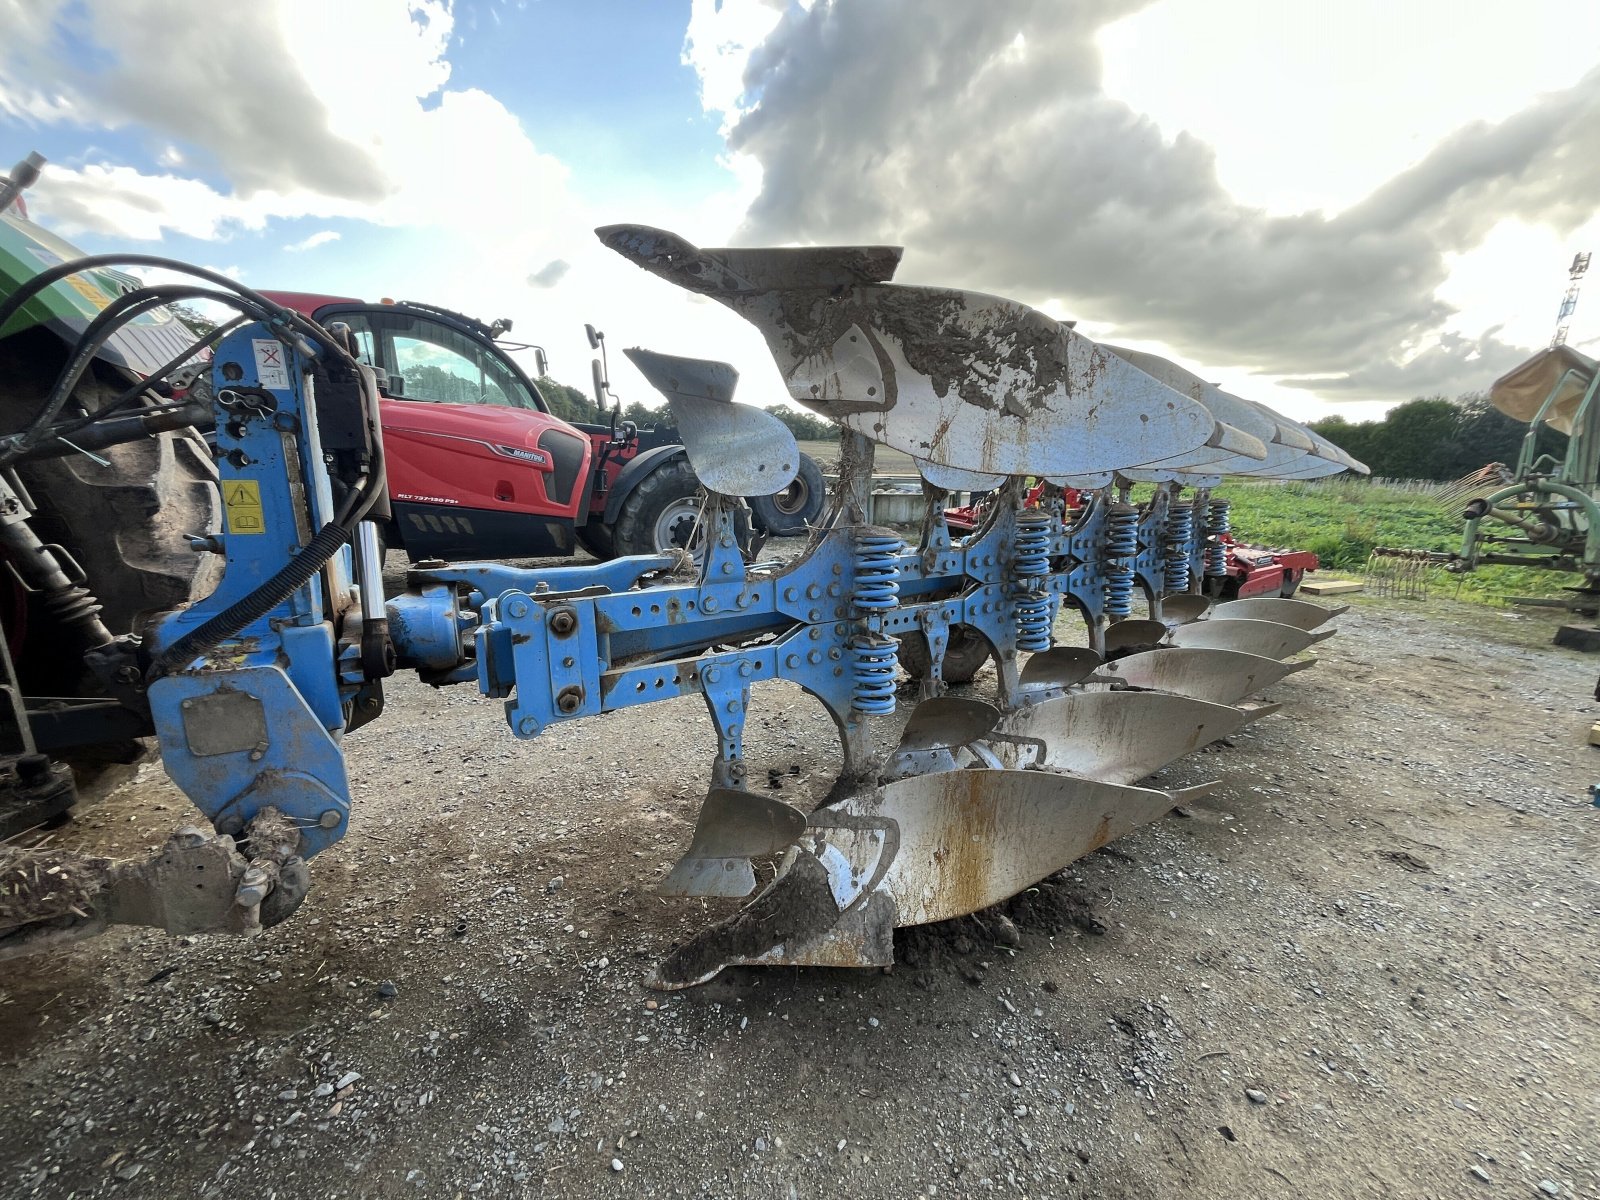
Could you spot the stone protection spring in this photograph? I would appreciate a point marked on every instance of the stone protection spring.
(873, 663)
(1031, 561)
(1121, 545)
(877, 575)
(1179, 545)
(1218, 523)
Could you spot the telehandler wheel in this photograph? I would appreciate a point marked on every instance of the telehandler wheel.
(595, 537)
(964, 656)
(792, 511)
(661, 513)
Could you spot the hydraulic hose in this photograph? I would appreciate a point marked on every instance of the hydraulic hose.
(123, 309)
(288, 325)
(67, 428)
(295, 574)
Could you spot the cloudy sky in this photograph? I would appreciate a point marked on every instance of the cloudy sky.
(1326, 207)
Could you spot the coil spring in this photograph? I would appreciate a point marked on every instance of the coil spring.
(873, 662)
(1122, 543)
(877, 575)
(1180, 545)
(1032, 543)
(1033, 621)
(1218, 522)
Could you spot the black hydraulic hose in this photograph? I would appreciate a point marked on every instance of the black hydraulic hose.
(123, 309)
(294, 574)
(315, 554)
(27, 291)
(67, 428)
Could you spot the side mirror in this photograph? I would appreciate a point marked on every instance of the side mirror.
(594, 338)
(397, 385)
(540, 361)
(597, 373)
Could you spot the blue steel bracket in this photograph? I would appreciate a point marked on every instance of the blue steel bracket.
(484, 581)
(239, 741)
(256, 721)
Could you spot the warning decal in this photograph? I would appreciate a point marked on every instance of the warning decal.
(270, 369)
(88, 291)
(242, 497)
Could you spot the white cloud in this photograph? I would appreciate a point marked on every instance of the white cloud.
(1308, 106)
(321, 238)
(721, 37)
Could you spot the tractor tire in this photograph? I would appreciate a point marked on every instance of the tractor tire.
(794, 510)
(125, 524)
(595, 537)
(660, 513)
(964, 656)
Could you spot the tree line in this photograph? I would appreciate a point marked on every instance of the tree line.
(1432, 437)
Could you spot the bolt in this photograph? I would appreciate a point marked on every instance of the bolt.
(527, 727)
(563, 622)
(517, 607)
(330, 819)
(569, 699)
(746, 670)
(33, 769)
(126, 675)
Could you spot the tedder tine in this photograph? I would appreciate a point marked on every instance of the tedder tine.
(1220, 676)
(1302, 614)
(733, 448)
(913, 852)
(1184, 608)
(936, 728)
(1117, 737)
(956, 378)
(1126, 637)
(734, 826)
(1265, 638)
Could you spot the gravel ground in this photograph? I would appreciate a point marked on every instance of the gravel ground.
(1365, 965)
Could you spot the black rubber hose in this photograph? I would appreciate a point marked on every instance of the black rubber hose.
(67, 428)
(123, 309)
(295, 574)
(27, 291)
(316, 553)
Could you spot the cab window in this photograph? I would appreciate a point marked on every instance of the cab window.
(429, 361)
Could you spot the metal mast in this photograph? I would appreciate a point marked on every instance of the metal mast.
(1580, 264)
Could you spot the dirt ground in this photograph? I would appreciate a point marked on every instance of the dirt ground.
(1365, 966)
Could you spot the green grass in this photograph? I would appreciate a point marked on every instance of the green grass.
(1342, 522)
